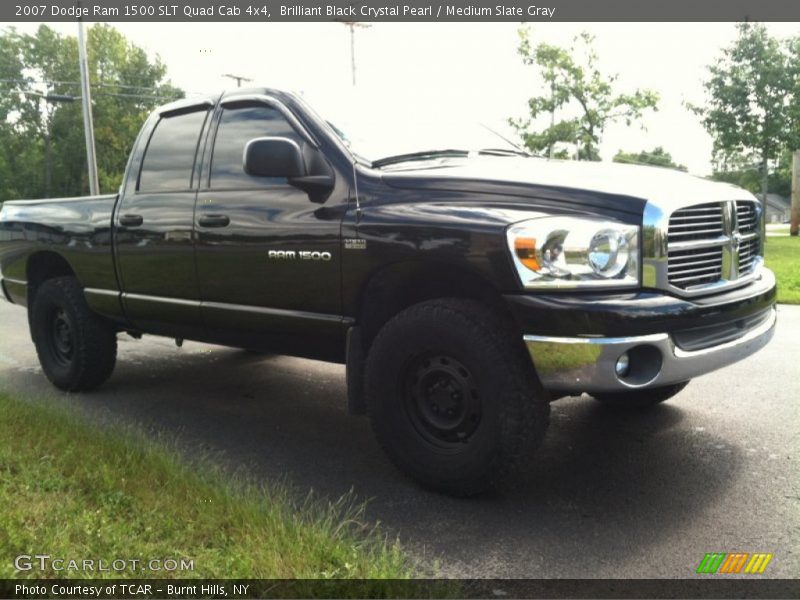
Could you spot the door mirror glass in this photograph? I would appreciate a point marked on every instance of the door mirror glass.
(273, 157)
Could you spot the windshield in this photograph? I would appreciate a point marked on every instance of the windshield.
(385, 133)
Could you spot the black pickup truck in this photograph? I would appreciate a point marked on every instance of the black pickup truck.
(464, 289)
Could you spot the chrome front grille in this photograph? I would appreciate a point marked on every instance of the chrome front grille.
(746, 216)
(748, 252)
(696, 223)
(695, 266)
(700, 248)
(747, 225)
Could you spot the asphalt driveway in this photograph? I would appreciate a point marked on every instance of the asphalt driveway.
(608, 495)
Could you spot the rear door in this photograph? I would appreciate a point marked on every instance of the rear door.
(252, 233)
(154, 227)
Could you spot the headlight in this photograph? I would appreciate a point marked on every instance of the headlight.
(575, 252)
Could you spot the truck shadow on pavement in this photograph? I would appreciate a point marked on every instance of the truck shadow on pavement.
(604, 484)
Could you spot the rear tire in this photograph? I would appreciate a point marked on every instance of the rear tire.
(76, 348)
(452, 399)
(640, 399)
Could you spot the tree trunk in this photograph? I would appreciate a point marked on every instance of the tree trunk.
(793, 228)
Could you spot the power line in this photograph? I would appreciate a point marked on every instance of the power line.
(141, 96)
(48, 97)
(103, 86)
(99, 94)
(77, 83)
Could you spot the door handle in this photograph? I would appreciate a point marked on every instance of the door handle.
(131, 220)
(214, 221)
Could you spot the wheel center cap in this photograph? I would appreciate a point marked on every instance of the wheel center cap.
(442, 399)
(445, 397)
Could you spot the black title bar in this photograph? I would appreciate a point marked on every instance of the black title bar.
(242, 589)
(408, 10)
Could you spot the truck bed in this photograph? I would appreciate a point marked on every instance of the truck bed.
(77, 230)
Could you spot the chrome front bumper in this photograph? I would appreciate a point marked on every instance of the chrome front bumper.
(576, 364)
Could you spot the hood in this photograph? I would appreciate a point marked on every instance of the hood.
(560, 179)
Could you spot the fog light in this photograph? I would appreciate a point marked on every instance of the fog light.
(623, 365)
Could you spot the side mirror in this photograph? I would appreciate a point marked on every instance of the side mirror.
(273, 157)
(282, 157)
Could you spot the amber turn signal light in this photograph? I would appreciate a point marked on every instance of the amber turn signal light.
(526, 252)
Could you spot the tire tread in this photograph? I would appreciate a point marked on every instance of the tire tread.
(524, 412)
(96, 342)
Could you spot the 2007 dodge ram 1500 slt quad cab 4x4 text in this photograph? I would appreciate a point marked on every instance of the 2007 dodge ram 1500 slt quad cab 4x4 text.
(464, 290)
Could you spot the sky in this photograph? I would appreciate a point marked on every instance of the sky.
(417, 77)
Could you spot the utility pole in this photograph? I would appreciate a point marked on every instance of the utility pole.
(793, 228)
(88, 126)
(764, 171)
(551, 153)
(238, 78)
(352, 26)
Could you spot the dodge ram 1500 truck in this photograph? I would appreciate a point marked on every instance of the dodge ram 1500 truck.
(463, 289)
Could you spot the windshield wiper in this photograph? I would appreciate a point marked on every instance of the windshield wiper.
(424, 155)
(504, 138)
(503, 152)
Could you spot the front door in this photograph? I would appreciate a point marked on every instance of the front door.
(268, 259)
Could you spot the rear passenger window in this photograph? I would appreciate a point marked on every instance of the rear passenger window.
(238, 126)
(170, 155)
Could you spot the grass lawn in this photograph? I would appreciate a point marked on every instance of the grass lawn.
(70, 489)
(782, 255)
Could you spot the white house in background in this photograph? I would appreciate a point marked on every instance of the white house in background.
(778, 208)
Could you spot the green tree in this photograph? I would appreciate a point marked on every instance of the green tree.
(657, 157)
(575, 87)
(752, 108)
(42, 146)
(749, 176)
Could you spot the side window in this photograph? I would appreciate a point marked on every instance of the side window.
(237, 126)
(169, 159)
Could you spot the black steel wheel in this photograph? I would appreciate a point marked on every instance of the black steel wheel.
(61, 341)
(77, 349)
(452, 396)
(441, 399)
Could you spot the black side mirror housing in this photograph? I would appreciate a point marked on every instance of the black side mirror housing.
(282, 157)
(316, 186)
(274, 157)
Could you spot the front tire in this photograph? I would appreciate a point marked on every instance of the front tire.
(640, 399)
(76, 348)
(452, 399)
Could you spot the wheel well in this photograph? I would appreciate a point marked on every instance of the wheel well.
(401, 285)
(43, 266)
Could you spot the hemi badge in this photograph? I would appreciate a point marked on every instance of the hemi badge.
(355, 244)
